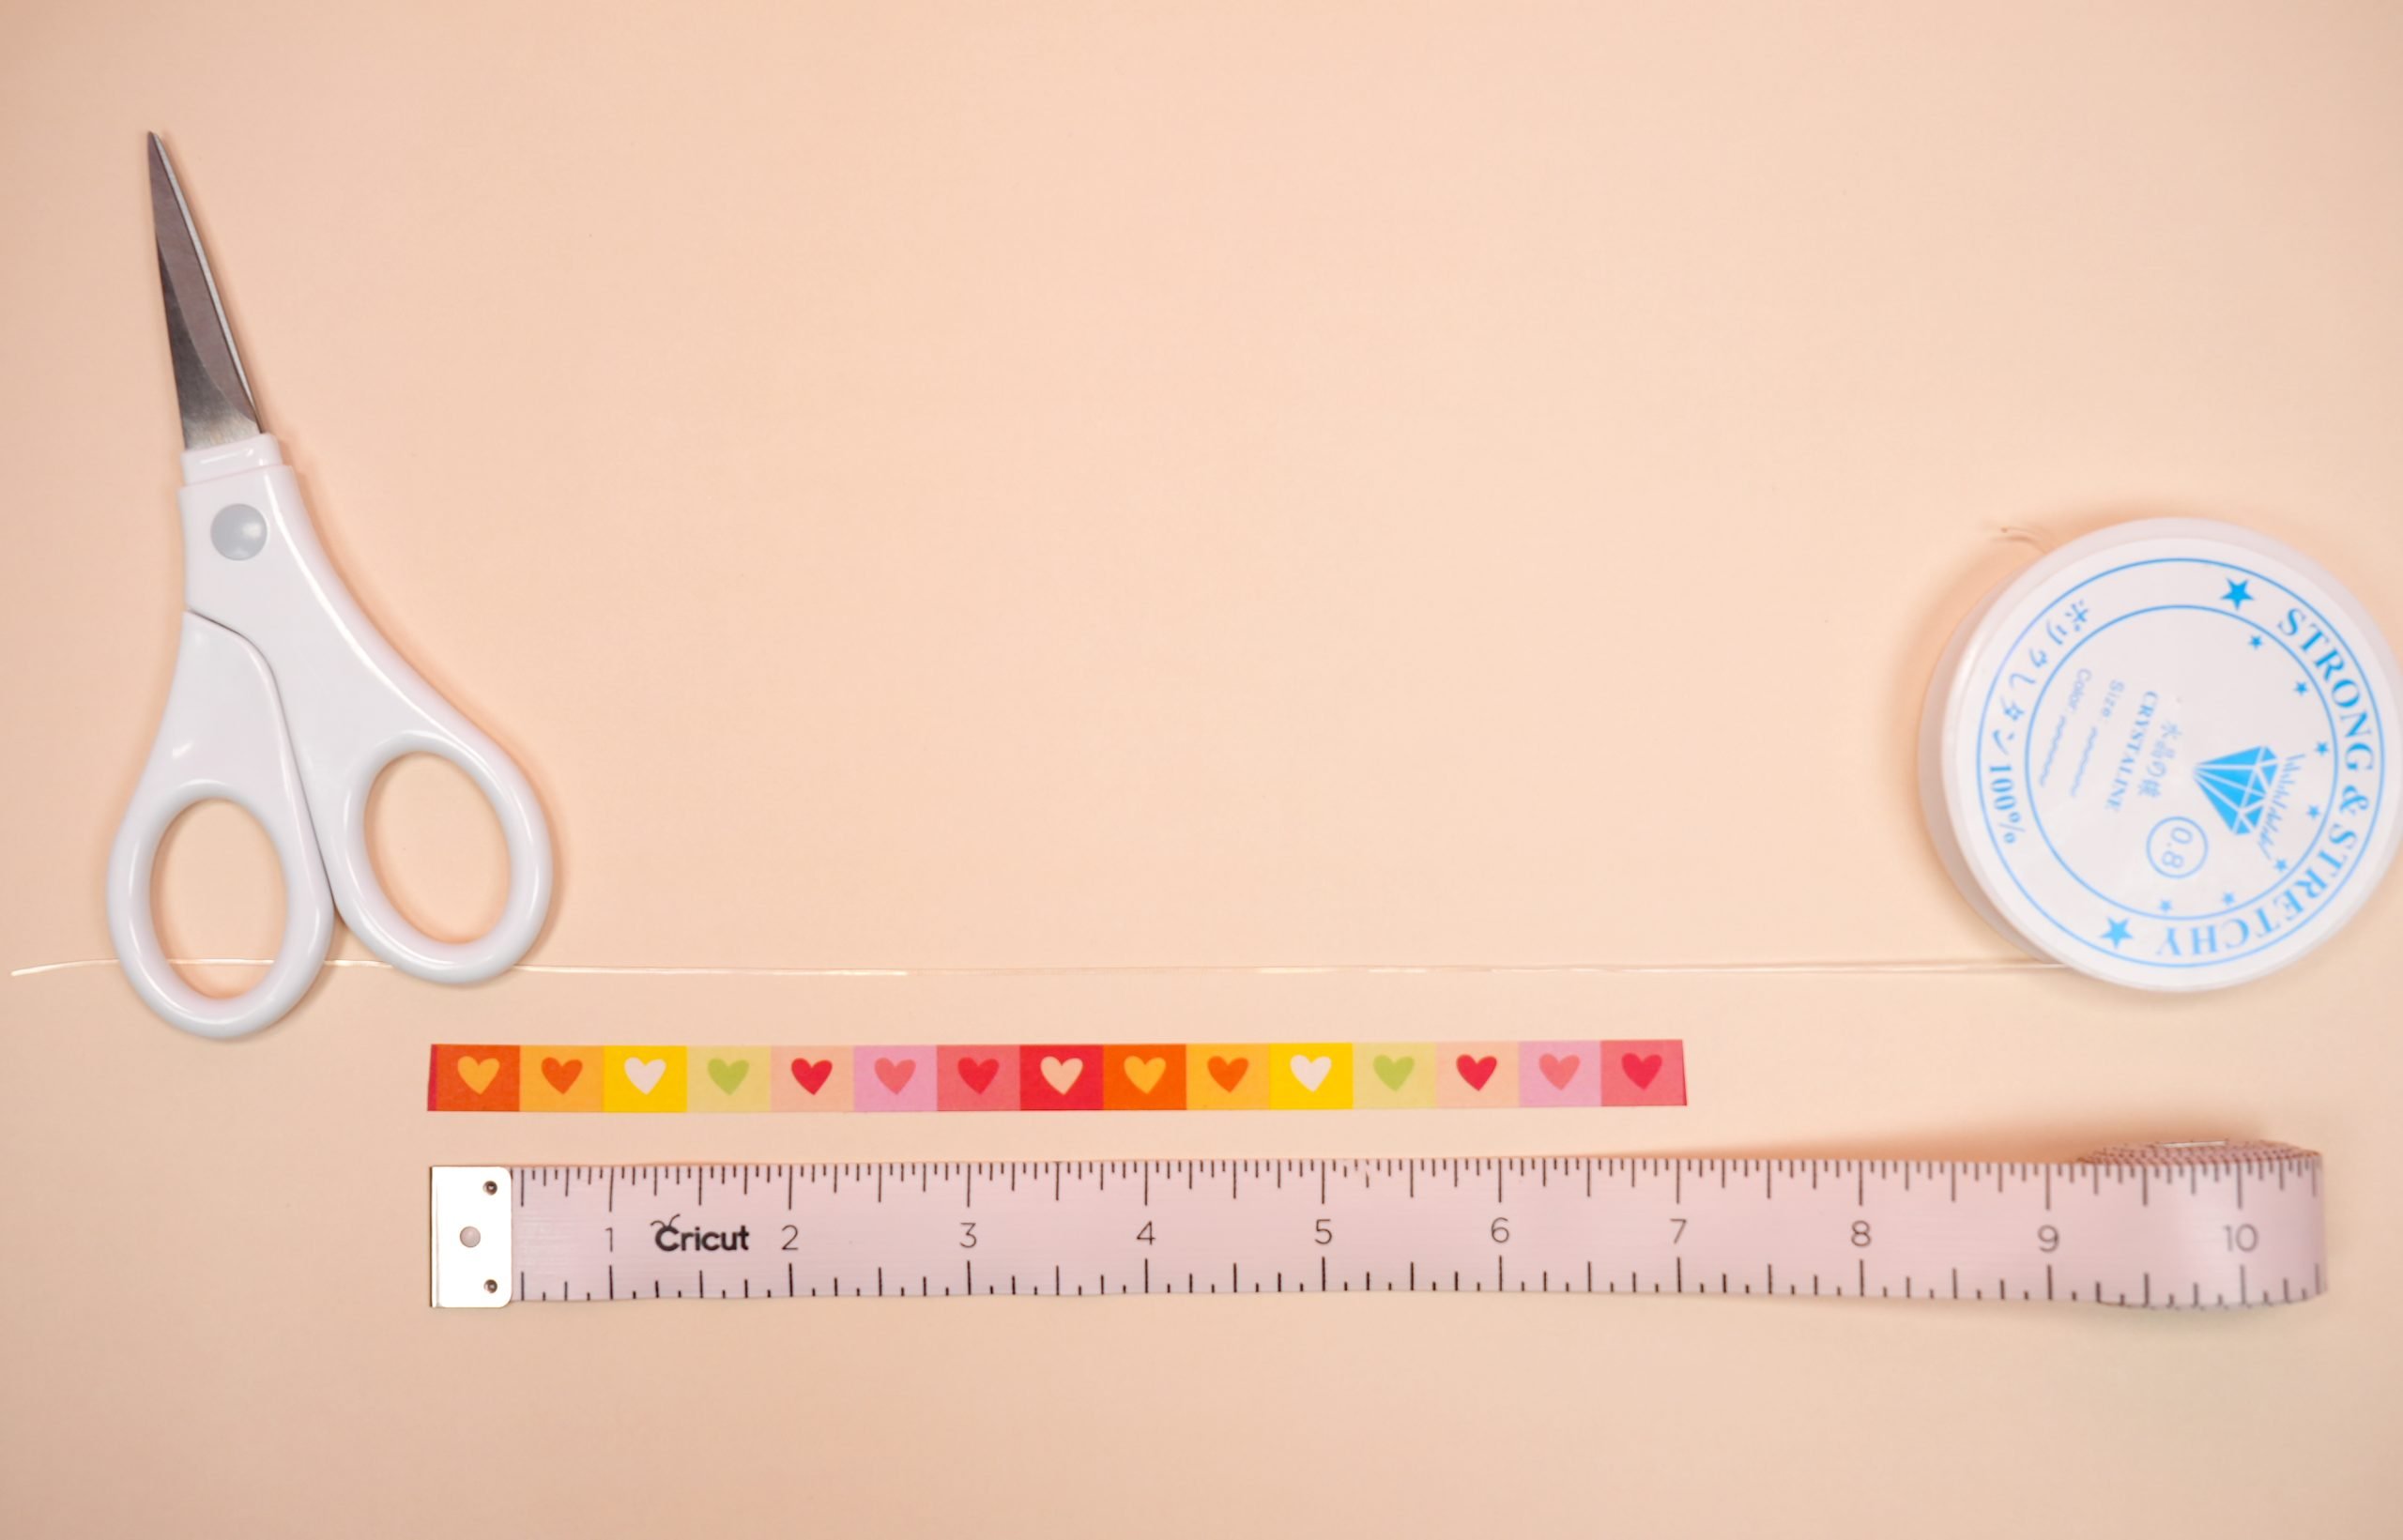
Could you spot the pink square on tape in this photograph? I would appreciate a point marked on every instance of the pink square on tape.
(1477, 1074)
(1560, 1075)
(892, 1079)
(810, 1079)
(1647, 1073)
(977, 1079)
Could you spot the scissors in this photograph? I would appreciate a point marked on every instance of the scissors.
(286, 701)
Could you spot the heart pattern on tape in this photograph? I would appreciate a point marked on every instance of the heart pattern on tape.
(1156, 1077)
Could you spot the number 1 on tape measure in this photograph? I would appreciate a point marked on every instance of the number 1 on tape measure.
(2166, 1226)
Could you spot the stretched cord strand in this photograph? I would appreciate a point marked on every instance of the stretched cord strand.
(1795, 966)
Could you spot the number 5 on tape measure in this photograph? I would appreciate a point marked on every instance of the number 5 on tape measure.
(2163, 1227)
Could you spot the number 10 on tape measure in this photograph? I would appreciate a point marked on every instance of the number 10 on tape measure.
(2164, 1227)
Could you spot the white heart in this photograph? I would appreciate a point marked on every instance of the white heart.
(645, 1073)
(1061, 1073)
(1311, 1072)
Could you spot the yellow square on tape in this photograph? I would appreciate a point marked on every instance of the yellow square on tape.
(647, 1079)
(1309, 1076)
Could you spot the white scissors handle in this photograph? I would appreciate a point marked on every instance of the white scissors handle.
(288, 702)
(223, 736)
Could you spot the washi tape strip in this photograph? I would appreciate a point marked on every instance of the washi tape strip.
(1055, 1078)
(2171, 1227)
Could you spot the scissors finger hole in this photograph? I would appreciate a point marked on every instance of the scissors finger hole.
(437, 847)
(217, 897)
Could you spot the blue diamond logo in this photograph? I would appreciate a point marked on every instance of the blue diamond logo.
(2238, 785)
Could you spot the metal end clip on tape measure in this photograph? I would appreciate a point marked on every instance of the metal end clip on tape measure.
(2163, 1227)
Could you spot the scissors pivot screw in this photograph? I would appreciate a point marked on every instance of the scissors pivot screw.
(238, 532)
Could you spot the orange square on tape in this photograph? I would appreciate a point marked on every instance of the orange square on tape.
(556, 1079)
(1226, 1076)
(472, 1077)
(1143, 1077)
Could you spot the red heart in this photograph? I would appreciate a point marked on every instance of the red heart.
(561, 1076)
(896, 1075)
(1561, 1070)
(1477, 1071)
(1642, 1070)
(978, 1073)
(812, 1074)
(1229, 1072)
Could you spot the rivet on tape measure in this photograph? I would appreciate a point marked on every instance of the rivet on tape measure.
(2161, 1227)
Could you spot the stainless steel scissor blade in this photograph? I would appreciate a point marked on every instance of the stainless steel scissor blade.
(210, 388)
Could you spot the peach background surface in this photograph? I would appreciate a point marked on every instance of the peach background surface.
(1173, 522)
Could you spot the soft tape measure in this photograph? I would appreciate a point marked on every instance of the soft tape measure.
(2161, 1227)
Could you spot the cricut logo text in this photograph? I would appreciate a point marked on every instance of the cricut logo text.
(666, 1237)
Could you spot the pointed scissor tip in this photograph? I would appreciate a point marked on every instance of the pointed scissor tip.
(210, 388)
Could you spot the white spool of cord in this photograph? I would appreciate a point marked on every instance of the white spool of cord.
(2165, 755)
